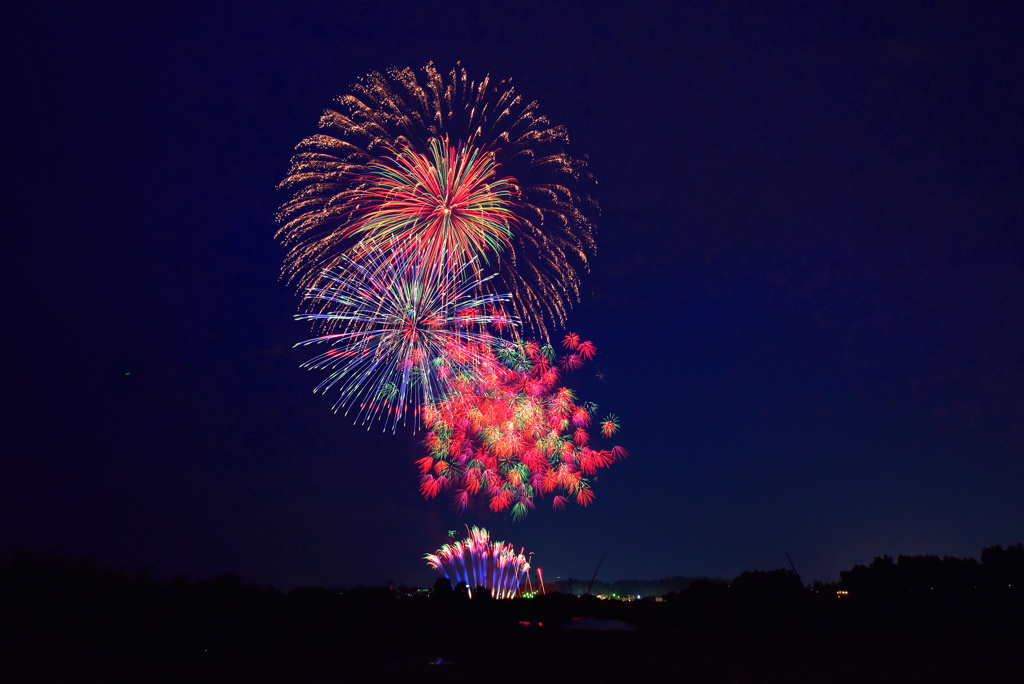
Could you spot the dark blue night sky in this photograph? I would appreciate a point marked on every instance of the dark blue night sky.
(808, 296)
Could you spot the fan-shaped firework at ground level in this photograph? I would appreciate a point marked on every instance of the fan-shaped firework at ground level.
(479, 562)
(505, 188)
(510, 432)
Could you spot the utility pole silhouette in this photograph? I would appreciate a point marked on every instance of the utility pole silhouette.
(595, 572)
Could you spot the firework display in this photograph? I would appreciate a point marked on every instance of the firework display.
(480, 562)
(510, 432)
(431, 221)
(448, 205)
(383, 166)
(400, 329)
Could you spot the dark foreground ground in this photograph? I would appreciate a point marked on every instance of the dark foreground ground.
(62, 621)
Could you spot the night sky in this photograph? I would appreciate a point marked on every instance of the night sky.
(808, 293)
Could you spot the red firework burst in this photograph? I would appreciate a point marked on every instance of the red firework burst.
(448, 205)
(508, 431)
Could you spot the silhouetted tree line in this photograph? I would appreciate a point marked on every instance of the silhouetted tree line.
(999, 571)
(71, 620)
(780, 582)
(623, 588)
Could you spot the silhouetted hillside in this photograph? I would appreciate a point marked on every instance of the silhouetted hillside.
(622, 588)
(917, 618)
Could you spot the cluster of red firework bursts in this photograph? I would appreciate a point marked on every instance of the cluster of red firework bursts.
(510, 432)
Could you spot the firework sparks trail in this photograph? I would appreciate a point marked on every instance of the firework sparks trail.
(401, 331)
(448, 205)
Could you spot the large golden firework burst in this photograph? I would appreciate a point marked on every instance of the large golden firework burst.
(389, 116)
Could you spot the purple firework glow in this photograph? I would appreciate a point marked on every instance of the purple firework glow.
(480, 562)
